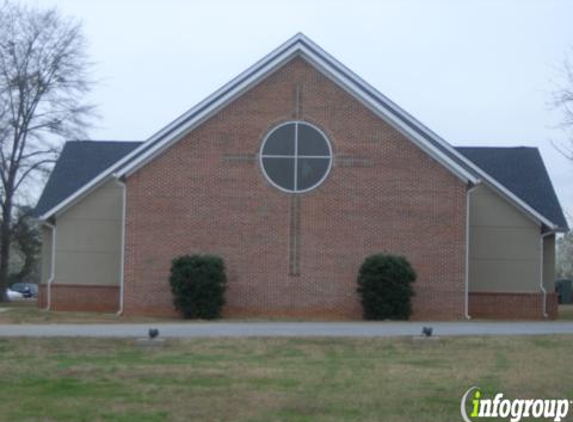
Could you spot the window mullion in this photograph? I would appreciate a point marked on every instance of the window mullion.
(295, 156)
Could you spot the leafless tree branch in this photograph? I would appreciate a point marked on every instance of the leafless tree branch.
(562, 99)
(43, 81)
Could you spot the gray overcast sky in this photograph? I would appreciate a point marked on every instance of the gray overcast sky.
(476, 72)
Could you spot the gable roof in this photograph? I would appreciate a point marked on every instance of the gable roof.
(302, 46)
(79, 163)
(521, 170)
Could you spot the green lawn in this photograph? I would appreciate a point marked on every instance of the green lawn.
(566, 312)
(27, 312)
(267, 380)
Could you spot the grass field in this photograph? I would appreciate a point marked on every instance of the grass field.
(27, 312)
(265, 380)
(566, 312)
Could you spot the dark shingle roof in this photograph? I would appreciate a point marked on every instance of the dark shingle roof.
(521, 170)
(79, 162)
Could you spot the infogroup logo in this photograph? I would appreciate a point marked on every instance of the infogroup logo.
(514, 410)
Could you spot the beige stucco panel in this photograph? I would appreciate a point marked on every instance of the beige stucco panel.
(491, 210)
(505, 243)
(88, 239)
(504, 246)
(103, 203)
(504, 276)
(87, 268)
(88, 235)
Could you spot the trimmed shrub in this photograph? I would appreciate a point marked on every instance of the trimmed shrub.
(198, 284)
(385, 285)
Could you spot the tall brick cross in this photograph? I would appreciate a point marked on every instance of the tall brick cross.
(339, 160)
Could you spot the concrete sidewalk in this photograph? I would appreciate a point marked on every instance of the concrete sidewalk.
(286, 329)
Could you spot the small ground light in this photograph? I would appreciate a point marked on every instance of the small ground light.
(153, 333)
(427, 331)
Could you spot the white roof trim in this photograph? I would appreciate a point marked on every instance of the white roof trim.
(336, 71)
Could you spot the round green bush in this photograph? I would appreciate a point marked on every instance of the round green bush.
(198, 284)
(385, 286)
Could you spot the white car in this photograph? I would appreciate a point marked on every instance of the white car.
(12, 295)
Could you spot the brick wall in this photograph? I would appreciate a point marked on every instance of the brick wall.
(497, 305)
(80, 297)
(207, 194)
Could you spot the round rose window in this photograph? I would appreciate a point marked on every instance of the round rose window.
(296, 157)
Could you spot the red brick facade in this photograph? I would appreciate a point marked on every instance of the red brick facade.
(80, 297)
(207, 194)
(511, 305)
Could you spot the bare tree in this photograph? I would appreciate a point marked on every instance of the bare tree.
(564, 263)
(563, 100)
(43, 81)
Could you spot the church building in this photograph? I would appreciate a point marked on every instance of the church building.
(294, 172)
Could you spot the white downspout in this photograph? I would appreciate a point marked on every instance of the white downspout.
(541, 286)
(52, 267)
(122, 250)
(467, 298)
